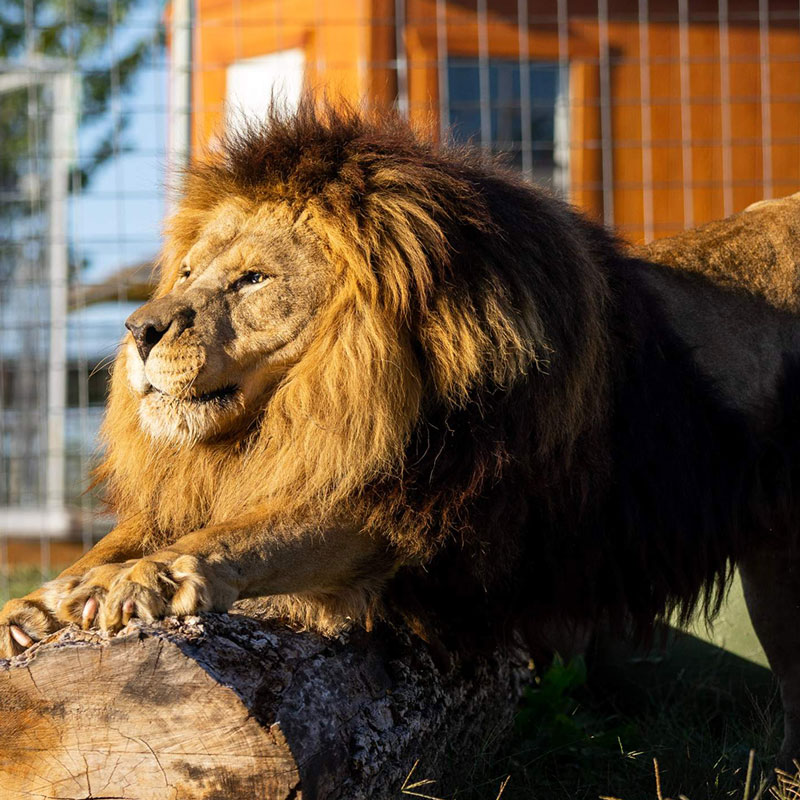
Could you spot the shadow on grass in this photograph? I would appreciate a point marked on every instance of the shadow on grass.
(590, 732)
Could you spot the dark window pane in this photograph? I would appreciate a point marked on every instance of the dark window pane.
(463, 80)
(466, 124)
(504, 106)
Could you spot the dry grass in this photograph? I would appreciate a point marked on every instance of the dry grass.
(412, 787)
(787, 786)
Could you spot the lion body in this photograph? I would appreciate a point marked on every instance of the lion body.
(494, 388)
(384, 377)
(380, 377)
(754, 253)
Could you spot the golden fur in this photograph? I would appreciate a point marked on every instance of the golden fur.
(342, 416)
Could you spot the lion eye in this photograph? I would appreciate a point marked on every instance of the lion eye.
(183, 274)
(251, 279)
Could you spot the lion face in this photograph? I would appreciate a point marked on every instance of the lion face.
(204, 354)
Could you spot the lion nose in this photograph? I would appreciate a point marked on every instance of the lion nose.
(149, 327)
(146, 335)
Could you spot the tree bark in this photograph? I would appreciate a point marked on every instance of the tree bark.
(224, 706)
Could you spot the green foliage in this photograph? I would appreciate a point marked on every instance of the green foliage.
(24, 579)
(553, 712)
(549, 708)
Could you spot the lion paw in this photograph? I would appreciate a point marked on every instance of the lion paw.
(22, 623)
(164, 584)
(80, 600)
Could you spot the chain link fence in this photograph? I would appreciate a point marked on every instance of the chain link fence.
(651, 115)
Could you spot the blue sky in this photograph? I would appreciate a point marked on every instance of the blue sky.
(115, 221)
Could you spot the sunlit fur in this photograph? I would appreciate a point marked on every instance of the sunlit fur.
(490, 387)
(404, 327)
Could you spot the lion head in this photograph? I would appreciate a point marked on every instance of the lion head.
(334, 290)
(204, 354)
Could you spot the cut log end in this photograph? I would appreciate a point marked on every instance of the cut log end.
(229, 707)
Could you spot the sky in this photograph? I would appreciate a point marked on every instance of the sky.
(115, 221)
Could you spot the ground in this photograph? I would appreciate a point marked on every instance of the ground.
(696, 710)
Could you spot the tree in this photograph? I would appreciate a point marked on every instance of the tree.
(82, 33)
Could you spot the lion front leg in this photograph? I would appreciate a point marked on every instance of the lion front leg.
(163, 584)
(210, 569)
(56, 603)
(26, 620)
(80, 604)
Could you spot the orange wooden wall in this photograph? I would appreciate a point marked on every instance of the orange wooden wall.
(350, 48)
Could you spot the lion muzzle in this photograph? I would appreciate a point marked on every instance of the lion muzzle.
(150, 324)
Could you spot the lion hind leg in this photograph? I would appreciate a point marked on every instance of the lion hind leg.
(771, 581)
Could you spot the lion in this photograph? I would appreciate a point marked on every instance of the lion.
(385, 377)
(728, 253)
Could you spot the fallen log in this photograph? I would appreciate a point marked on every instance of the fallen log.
(224, 706)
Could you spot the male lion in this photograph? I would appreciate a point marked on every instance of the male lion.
(379, 376)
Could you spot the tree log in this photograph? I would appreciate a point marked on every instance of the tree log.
(224, 706)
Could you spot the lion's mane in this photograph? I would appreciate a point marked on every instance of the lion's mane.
(489, 387)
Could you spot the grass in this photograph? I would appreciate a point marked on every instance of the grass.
(679, 723)
(692, 723)
(24, 579)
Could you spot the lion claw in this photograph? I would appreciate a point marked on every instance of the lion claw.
(128, 608)
(24, 622)
(90, 609)
(20, 637)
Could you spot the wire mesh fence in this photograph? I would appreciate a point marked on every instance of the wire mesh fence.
(651, 115)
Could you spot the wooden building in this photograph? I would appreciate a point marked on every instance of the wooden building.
(653, 116)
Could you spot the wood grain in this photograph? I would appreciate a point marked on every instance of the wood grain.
(229, 707)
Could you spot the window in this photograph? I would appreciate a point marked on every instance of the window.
(540, 149)
(251, 84)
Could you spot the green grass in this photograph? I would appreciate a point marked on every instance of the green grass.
(690, 716)
(24, 579)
